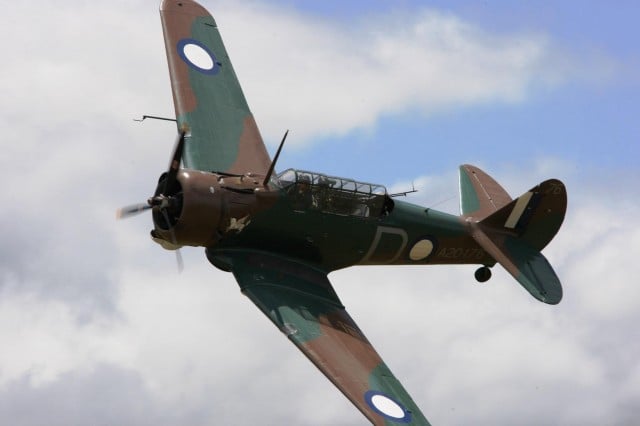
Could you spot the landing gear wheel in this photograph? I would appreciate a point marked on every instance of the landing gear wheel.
(483, 274)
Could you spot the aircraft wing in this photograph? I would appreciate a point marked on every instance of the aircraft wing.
(301, 302)
(210, 106)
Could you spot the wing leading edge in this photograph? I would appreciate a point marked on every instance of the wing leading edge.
(301, 302)
(210, 106)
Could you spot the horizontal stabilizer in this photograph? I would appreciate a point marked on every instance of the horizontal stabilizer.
(527, 265)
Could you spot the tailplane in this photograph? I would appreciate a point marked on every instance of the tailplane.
(514, 232)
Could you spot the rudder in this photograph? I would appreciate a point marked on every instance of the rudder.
(535, 217)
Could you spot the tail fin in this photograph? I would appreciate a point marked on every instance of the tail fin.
(515, 232)
(480, 194)
(221, 132)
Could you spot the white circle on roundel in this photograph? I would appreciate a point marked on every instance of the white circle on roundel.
(388, 406)
(421, 250)
(198, 56)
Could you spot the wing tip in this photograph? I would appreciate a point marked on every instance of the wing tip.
(189, 7)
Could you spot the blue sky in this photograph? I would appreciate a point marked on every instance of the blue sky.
(600, 24)
(591, 123)
(96, 325)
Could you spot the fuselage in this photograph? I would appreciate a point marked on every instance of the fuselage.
(408, 234)
(318, 224)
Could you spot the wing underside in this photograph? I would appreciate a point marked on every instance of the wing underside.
(301, 302)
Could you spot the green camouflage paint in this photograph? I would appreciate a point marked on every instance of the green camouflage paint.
(480, 194)
(221, 107)
(469, 201)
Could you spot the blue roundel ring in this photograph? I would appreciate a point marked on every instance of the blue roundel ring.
(215, 65)
(368, 397)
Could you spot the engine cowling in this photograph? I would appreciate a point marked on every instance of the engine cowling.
(193, 211)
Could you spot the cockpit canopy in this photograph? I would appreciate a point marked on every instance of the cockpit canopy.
(330, 194)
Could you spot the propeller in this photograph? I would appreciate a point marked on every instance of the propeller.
(179, 260)
(163, 200)
(132, 210)
(174, 166)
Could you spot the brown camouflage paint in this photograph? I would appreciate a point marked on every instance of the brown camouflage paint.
(491, 195)
(251, 155)
(346, 357)
(177, 18)
(211, 202)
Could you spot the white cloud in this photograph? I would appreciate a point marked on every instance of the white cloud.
(43, 339)
(466, 352)
(91, 310)
(316, 77)
(329, 78)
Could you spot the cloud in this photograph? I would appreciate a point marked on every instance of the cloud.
(330, 78)
(317, 77)
(191, 345)
(95, 323)
(325, 78)
(105, 396)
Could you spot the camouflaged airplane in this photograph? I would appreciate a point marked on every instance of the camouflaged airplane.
(282, 234)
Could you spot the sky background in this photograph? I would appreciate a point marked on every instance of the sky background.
(96, 325)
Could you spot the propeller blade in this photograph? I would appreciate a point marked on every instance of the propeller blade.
(165, 215)
(179, 261)
(174, 166)
(131, 210)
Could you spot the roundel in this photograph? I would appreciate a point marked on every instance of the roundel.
(198, 56)
(387, 407)
(421, 249)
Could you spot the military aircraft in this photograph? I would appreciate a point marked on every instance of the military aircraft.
(280, 235)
